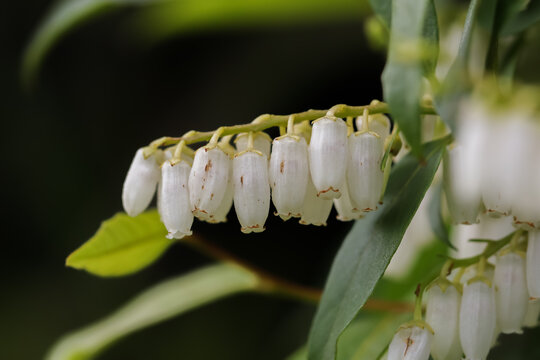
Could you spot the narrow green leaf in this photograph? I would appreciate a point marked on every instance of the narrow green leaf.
(367, 250)
(159, 303)
(122, 245)
(408, 53)
(383, 8)
(524, 19)
(436, 220)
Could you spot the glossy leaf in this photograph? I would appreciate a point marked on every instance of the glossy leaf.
(122, 245)
(408, 54)
(161, 302)
(368, 248)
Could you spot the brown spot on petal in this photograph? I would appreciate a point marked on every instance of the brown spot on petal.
(211, 196)
(281, 166)
(242, 180)
(202, 187)
(409, 343)
(208, 166)
(327, 190)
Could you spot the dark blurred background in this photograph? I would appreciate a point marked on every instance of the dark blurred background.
(67, 144)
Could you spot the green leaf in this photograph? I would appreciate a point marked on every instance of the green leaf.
(439, 227)
(122, 245)
(408, 54)
(161, 302)
(165, 18)
(524, 19)
(367, 250)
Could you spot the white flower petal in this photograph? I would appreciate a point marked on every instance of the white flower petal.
(175, 208)
(140, 184)
(328, 156)
(533, 264)
(315, 210)
(251, 190)
(411, 343)
(261, 141)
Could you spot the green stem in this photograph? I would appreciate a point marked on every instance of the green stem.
(267, 121)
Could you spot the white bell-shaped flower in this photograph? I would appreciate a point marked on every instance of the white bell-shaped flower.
(315, 210)
(477, 320)
(220, 214)
(364, 174)
(261, 141)
(410, 343)
(328, 156)
(141, 181)
(175, 208)
(511, 294)
(344, 207)
(378, 123)
(208, 180)
(251, 190)
(463, 201)
(473, 134)
(533, 312)
(533, 264)
(442, 314)
(288, 174)
(524, 165)
(497, 175)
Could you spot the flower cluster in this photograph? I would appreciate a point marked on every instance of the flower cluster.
(305, 171)
(467, 310)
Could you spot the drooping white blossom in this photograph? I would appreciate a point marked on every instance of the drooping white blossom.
(288, 175)
(141, 182)
(410, 343)
(251, 190)
(442, 314)
(327, 156)
(511, 295)
(378, 123)
(364, 174)
(533, 264)
(344, 207)
(226, 203)
(477, 320)
(533, 312)
(208, 180)
(261, 142)
(175, 207)
(315, 210)
(463, 201)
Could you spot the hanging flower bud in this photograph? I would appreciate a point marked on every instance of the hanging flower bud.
(511, 294)
(346, 211)
(208, 180)
(442, 314)
(315, 210)
(533, 312)
(364, 174)
(288, 174)
(378, 123)
(175, 208)
(477, 319)
(261, 142)
(533, 264)
(327, 156)
(251, 190)
(463, 200)
(220, 214)
(410, 343)
(141, 181)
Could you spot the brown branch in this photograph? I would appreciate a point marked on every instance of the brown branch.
(272, 284)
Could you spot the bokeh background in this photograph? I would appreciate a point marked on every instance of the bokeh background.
(67, 143)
